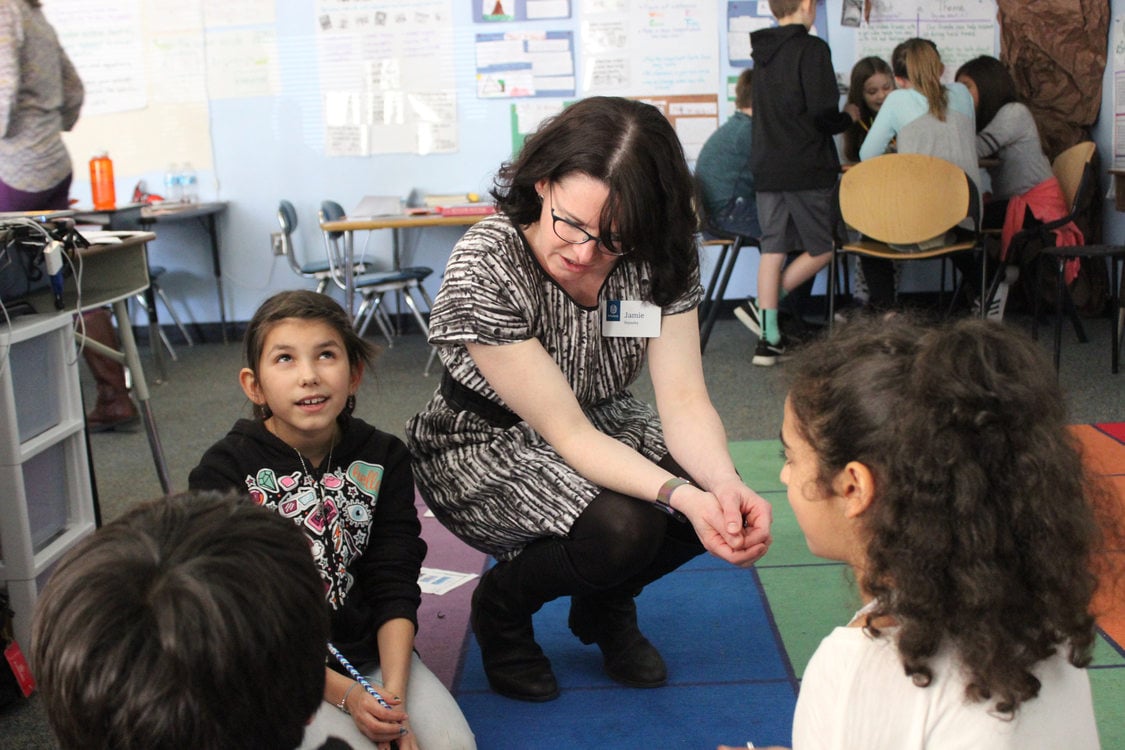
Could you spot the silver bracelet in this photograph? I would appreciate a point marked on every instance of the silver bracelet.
(343, 704)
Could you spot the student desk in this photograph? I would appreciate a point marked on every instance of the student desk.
(144, 216)
(112, 273)
(349, 226)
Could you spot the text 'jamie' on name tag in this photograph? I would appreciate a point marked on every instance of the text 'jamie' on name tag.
(626, 317)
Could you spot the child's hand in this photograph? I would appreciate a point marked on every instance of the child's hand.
(852, 111)
(379, 724)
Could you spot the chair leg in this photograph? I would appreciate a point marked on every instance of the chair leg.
(159, 332)
(175, 318)
(713, 306)
(1060, 292)
(1115, 315)
(414, 310)
(709, 295)
(834, 263)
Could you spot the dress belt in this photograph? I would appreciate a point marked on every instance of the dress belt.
(464, 399)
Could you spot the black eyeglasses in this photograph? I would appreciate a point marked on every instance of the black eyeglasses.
(573, 234)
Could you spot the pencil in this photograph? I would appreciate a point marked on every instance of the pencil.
(358, 677)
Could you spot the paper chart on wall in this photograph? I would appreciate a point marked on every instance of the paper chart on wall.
(105, 43)
(961, 29)
(386, 73)
(649, 47)
(523, 64)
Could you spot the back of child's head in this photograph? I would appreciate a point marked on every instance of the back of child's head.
(982, 526)
(194, 621)
(994, 83)
(784, 8)
(743, 89)
(918, 61)
(302, 304)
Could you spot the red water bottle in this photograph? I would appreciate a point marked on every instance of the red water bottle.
(101, 183)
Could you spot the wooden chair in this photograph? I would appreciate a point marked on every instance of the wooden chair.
(906, 199)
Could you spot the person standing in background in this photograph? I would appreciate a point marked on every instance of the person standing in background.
(40, 97)
(794, 161)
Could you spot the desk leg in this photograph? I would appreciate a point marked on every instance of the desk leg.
(349, 274)
(140, 387)
(216, 266)
(154, 336)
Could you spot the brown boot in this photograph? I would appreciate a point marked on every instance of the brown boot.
(114, 409)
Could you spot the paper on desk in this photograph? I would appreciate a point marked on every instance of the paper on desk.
(377, 205)
(435, 581)
(101, 237)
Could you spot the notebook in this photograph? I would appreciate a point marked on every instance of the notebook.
(376, 205)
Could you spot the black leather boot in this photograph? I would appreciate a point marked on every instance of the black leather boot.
(609, 619)
(501, 620)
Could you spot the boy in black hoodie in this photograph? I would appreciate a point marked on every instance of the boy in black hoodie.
(794, 161)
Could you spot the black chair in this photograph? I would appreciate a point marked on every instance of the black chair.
(373, 285)
(1064, 255)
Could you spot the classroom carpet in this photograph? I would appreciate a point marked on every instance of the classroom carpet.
(737, 643)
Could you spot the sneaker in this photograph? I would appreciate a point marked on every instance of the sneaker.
(747, 314)
(996, 305)
(767, 354)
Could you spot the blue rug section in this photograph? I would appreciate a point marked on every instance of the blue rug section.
(728, 678)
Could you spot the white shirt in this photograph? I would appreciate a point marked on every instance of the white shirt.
(856, 694)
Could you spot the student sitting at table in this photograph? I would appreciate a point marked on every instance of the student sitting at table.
(1025, 191)
(923, 116)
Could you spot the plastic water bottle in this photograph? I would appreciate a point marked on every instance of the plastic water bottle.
(190, 182)
(172, 189)
(101, 183)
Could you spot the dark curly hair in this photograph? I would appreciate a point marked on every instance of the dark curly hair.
(984, 527)
(633, 149)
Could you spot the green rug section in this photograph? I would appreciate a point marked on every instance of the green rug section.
(808, 596)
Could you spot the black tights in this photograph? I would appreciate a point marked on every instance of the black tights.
(616, 546)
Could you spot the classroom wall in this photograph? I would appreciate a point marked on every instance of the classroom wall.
(272, 147)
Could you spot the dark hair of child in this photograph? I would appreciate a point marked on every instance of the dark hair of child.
(984, 530)
(193, 621)
(302, 304)
(861, 71)
(995, 87)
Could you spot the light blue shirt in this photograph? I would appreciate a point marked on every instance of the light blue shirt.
(903, 106)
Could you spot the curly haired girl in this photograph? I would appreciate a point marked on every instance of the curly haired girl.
(937, 463)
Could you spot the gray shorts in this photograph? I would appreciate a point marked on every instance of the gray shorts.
(798, 220)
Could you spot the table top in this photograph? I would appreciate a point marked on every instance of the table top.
(404, 221)
(149, 212)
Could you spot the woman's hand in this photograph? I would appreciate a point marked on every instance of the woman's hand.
(732, 521)
(379, 724)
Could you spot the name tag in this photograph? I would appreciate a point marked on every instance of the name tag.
(625, 317)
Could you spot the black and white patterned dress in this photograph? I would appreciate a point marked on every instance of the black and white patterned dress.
(496, 485)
